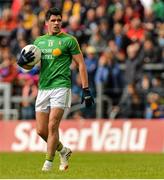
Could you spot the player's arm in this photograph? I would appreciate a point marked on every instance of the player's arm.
(78, 58)
(86, 94)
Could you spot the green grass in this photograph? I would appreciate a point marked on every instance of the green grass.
(84, 165)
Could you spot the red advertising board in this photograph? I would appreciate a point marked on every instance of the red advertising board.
(88, 135)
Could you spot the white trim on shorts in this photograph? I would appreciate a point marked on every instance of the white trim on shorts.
(48, 99)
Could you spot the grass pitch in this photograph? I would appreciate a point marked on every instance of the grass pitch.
(84, 165)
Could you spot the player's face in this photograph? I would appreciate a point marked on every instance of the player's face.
(54, 24)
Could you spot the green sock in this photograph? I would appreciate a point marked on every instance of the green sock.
(59, 146)
(49, 158)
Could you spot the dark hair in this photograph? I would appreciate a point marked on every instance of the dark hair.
(53, 11)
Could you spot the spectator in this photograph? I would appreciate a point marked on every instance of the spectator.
(150, 52)
(90, 21)
(121, 40)
(129, 15)
(96, 40)
(118, 55)
(138, 8)
(29, 93)
(149, 23)
(77, 30)
(134, 64)
(7, 22)
(157, 86)
(131, 104)
(100, 13)
(115, 82)
(153, 108)
(104, 28)
(102, 72)
(41, 10)
(135, 31)
(144, 85)
(29, 18)
(118, 16)
(8, 71)
(113, 6)
(158, 6)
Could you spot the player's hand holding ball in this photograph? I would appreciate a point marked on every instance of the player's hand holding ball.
(25, 58)
(30, 55)
(87, 97)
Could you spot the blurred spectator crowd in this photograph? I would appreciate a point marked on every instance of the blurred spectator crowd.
(117, 37)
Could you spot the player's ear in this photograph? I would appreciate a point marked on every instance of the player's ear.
(46, 23)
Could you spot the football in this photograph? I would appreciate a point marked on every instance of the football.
(36, 51)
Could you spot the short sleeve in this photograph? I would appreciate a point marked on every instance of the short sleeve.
(36, 42)
(73, 46)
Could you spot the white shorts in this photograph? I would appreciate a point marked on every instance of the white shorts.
(48, 99)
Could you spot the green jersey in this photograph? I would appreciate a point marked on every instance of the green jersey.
(57, 51)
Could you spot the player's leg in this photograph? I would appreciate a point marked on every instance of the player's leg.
(61, 98)
(64, 152)
(42, 108)
(53, 130)
(42, 119)
(53, 137)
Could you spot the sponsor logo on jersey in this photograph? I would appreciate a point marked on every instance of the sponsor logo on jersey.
(56, 52)
(46, 51)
